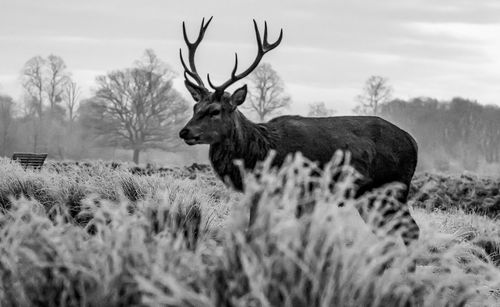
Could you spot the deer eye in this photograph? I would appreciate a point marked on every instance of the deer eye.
(214, 112)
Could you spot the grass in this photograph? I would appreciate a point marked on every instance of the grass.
(102, 236)
(468, 193)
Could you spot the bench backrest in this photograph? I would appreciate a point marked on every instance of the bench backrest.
(33, 160)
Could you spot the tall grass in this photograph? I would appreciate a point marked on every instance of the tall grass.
(157, 241)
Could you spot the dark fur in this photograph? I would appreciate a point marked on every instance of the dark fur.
(380, 151)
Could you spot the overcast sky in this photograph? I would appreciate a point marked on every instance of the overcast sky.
(431, 48)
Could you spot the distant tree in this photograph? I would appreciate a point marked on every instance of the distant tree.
(33, 77)
(33, 82)
(56, 80)
(375, 92)
(319, 109)
(490, 133)
(267, 92)
(136, 108)
(28, 106)
(71, 98)
(6, 120)
(44, 80)
(462, 129)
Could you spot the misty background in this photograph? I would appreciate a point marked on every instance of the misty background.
(102, 79)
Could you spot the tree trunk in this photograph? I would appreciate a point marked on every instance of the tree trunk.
(40, 106)
(136, 155)
(60, 152)
(4, 142)
(2, 148)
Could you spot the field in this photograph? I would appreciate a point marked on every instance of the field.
(105, 234)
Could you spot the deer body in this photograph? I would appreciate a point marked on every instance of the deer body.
(380, 151)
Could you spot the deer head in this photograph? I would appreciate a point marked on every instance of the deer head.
(214, 111)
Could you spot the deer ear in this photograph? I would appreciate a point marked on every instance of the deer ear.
(239, 96)
(196, 91)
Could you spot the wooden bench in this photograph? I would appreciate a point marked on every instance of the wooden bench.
(32, 160)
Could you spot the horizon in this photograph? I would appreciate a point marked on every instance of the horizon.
(426, 49)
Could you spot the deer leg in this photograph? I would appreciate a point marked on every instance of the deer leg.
(410, 232)
(393, 214)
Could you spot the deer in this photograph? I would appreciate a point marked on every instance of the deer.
(380, 151)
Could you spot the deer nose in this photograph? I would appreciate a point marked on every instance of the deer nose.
(183, 133)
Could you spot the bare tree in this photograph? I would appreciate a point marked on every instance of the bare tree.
(57, 77)
(136, 108)
(33, 78)
(34, 82)
(6, 119)
(375, 92)
(267, 92)
(319, 109)
(151, 62)
(71, 98)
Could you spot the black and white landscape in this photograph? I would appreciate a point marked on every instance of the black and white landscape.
(132, 176)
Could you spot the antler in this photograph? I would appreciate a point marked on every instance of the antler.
(263, 48)
(191, 71)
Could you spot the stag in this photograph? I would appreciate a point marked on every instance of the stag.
(380, 151)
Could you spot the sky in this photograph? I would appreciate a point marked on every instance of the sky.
(439, 49)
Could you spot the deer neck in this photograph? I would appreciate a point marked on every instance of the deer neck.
(248, 142)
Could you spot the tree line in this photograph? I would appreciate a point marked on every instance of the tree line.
(460, 130)
(137, 108)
